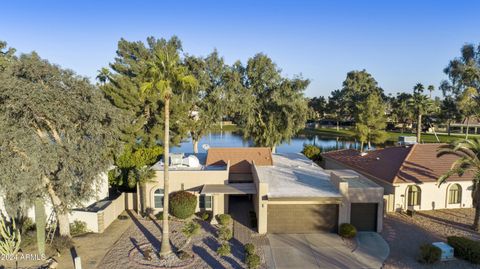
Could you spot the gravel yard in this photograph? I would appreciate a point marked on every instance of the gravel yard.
(405, 234)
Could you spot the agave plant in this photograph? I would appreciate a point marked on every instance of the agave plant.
(10, 237)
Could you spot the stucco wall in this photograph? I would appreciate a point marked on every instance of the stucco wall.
(259, 203)
(434, 197)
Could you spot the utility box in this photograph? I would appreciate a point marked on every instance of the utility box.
(407, 140)
(447, 251)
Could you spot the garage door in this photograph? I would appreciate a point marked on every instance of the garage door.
(364, 216)
(302, 218)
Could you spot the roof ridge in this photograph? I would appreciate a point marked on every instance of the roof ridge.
(412, 149)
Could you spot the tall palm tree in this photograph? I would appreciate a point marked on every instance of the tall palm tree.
(468, 152)
(103, 75)
(166, 75)
(421, 105)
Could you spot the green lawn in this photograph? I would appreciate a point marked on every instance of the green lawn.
(392, 136)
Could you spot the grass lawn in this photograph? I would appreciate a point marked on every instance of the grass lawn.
(392, 136)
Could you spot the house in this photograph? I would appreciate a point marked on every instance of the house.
(288, 193)
(408, 174)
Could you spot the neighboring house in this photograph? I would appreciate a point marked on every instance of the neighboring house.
(408, 175)
(289, 193)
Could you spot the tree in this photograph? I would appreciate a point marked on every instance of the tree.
(449, 111)
(103, 75)
(371, 121)
(335, 107)
(463, 72)
(401, 111)
(166, 76)
(210, 102)
(469, 105)
(273, 108)
(468, 151)
(420, 105)
(58, 133)
(319, 106)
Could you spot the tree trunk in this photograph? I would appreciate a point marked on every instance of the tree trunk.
(403, 127)
(165, 246)
(274, 149)
(361, 146)
(448, 128)
(476, 204)
(60, 210)
(338, 125)
(195, 146)
(40, 225)
(468, 127)
(419, 128)
(369, 144)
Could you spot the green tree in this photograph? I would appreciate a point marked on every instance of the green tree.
(401, 111)
(57, 135)
(273, 107)
(468, 151)
(319, 107)
(420, 105)
(449, 111)
(469, 105)
(335, 107)
(166, 76)
(371, 121)
(210, 102)
(463, 72)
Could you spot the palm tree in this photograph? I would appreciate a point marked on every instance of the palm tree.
(165, 76)
(103, 75)
(468, 152)
(421, 105)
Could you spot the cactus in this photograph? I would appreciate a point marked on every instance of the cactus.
(40, 223)
(10, 238)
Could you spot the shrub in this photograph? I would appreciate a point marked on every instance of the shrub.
(62, 242)
(190, 229)
(465, 248)
(205, 216)
(224, 250)
(224, 233)
(183, 255)
(78, 227)
(252, 261)
(122, 217)
(429, 254)
(148, 212)
(159, 215)
(249, 249)
(347, 230)
(312, 152)
(224, 219)
(182, 204)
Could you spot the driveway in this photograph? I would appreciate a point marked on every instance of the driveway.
(326, 250)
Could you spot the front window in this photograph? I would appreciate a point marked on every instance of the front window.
(205, 201)
(414, 195)
(158, 198)
(455, 194)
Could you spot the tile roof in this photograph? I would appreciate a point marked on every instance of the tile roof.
(415, 164)
(240, 158)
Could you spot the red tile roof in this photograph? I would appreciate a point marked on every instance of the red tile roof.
(240, 158)
(414, 164)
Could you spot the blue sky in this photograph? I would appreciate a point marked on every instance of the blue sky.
(399, 42)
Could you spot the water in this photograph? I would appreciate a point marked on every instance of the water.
(234, 139)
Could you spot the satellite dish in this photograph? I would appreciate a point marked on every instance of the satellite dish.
(206, 147)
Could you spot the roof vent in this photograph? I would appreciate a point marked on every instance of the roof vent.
(378, 158)
(363, 154)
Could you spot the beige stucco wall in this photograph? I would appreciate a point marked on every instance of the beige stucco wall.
(260, 202)
(192, 181)
(433, 196)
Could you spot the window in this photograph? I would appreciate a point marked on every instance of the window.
(455, 194)
(158, 198)
(205, 201)
(414, 195)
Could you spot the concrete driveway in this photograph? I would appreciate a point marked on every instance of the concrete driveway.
(326, 250)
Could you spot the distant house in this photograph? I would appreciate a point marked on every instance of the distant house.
(408, 175)
(287, 193)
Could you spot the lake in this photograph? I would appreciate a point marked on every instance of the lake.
(235, 139)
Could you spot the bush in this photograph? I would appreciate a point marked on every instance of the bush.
(224, 250)
(182, 204)
(429, 254)
(347, 230)
(183, 255)
(312, 152)
(252, 261)
(224, 219)
(159, 215)
(148, 212)
(465, 248)
(249, 249)
(190, 229)
(205, 216)
(78, 227)
(122, 217)
(224, 233)
(62, 242)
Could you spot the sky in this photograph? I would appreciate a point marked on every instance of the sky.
(400, 43)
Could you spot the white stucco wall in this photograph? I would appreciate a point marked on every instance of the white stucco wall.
(434, 197)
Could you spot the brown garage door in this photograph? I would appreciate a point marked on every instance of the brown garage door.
(364, 216)
(302, 218)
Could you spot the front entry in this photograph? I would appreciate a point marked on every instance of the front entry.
(364, 216)
(240, 207)
(300, 218)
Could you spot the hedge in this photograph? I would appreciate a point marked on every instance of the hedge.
(429, 254)
(465, 248)
(347, 230)
(182, 204)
